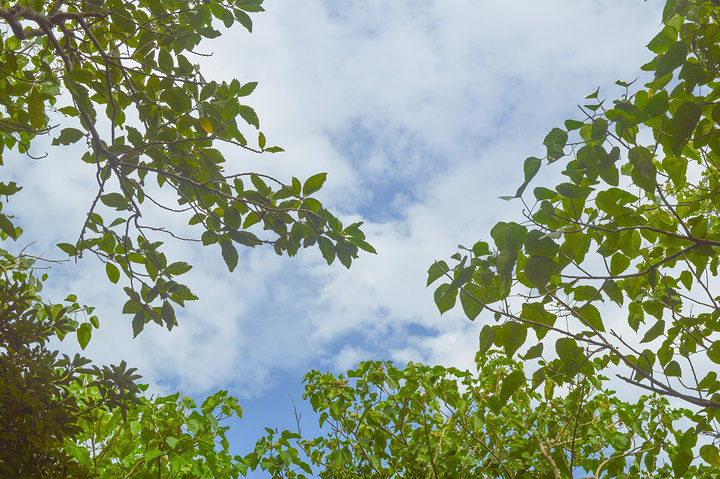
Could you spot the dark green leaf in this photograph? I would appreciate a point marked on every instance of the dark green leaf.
(229, 254)
(673, 369)
(7, 227)
(510, 384)
(138, 323)
(681, 462)
(539, 270)
(232, 217)
(247, 89)
(683, 124)
(513, 336)
(672, 59)
(487, 338)
(36, 110)
(328, 250)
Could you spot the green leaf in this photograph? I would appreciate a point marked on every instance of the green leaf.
(570, 190)
(327, 249)
(244, 19)
(36, 110)
(229, 254)
(533, 352)
(486, 340)
(66, 247)
(710, 454)
(152, 454)
(714, 352)
(138, 323)
(508, 236)
(663, 40)
(573, 125)
(676, 168)
(471, 306)
(513, 336)
(436, 270)
(249, 115)
(537, 243)
(555, 142)
(9, 189)
(591, 315)
(531, 167)
(68, 136)
(168, 314)
(539, 270)
(113, 273)
(652, 333)
(683, 124)
(541, 319)
(7, 227)
(673, 369)
(510, 384)
(232, 217)
(619, 263)
(672, 59)
(178, 268)
(247, 89)
(314, 183)
(445, 298)
(115, 200)
(613, 291)
(681, 462)
(84, 333)
(462, 277)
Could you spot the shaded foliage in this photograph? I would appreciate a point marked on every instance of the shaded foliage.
(38, 412)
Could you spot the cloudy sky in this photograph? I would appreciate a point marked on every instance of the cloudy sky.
(421, 112)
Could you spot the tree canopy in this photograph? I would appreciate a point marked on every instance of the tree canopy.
(632, 232)
(117, 81)
(116, 77)
(612, 272)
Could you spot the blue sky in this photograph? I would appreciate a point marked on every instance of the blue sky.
(422, 113)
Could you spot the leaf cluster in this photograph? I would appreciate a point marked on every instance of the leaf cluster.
(632, 232)
(120, 75)
(431, 422)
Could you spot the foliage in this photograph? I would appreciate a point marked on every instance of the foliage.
(632, 232)
(38, 412)
(167, 436)
(423, 422)
(113, 80)
(118, 77)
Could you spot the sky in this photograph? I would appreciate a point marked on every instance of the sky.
(422, 113)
